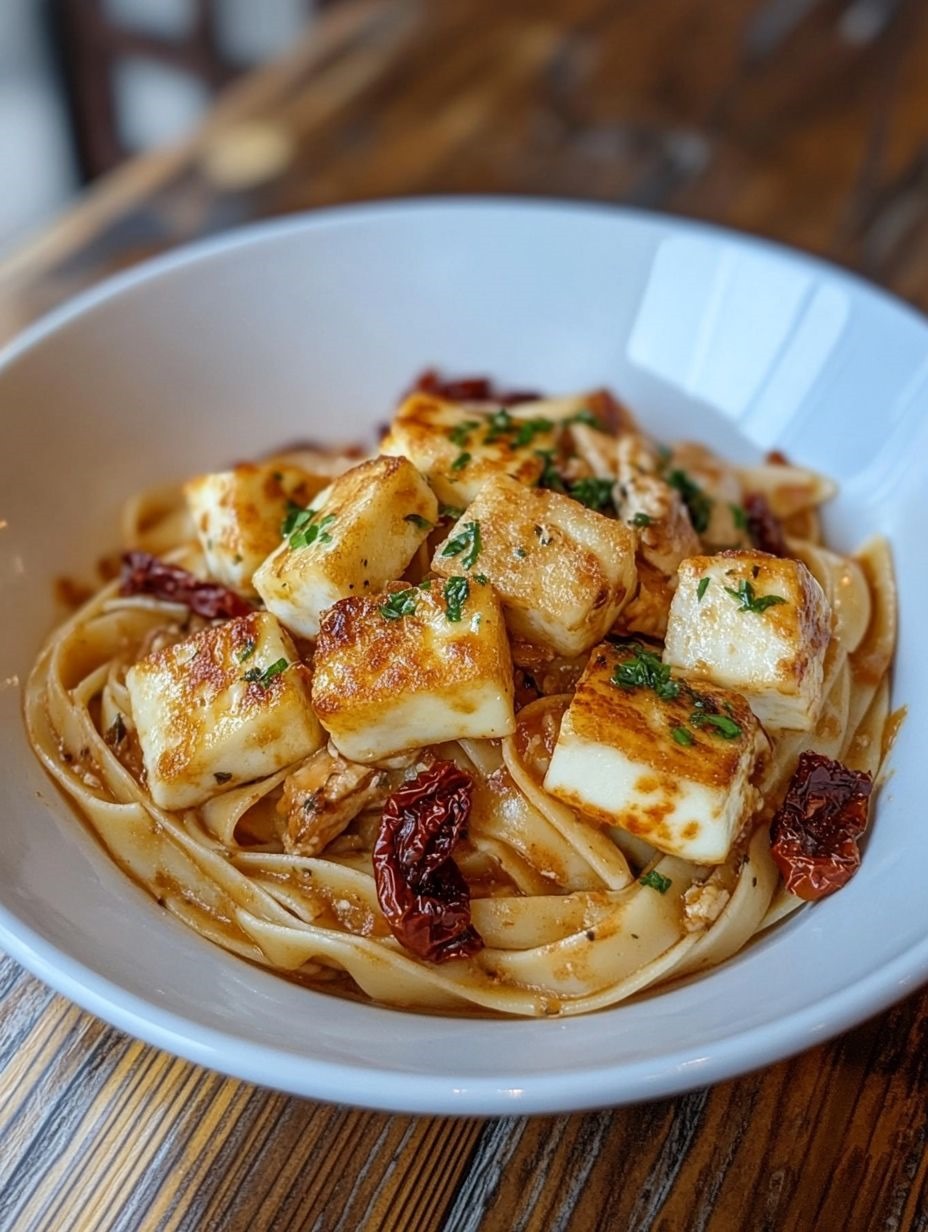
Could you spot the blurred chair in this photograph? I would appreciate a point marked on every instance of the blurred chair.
(139, 72)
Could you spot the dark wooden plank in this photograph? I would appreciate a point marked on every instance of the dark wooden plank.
(803, 120)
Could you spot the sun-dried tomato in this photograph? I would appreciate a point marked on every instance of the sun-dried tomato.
(469, 389)
(144, 574)
(421, 891)
(764, 526)
(814, 833)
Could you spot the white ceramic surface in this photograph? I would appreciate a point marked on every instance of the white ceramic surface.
(310, 327)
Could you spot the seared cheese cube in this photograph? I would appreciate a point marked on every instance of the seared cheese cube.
(238, 515)
(459, 447)
(224, 707)
(756, 623)
(413, 666)
(363, 530)
(562, 571)
(639, 750)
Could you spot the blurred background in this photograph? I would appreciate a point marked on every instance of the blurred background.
(86, 83)
(802, 120)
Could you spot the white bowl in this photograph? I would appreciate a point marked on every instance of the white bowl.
(310, 327)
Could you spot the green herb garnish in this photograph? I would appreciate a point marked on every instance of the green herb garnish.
(739, 517)
(400, 603)
(596, 494)
(296, 517)
(460, 461)
(682, 736)
(641, 520)
(468, 542)
(646, 671)
(460, 433)
(699, 506)
(246, 651)
(264, 675)
(749, 602)
(528, 429)
(549, 477)
(656, 881)
(521, 553)
(416, 519)
(449, 511)
(456, 591)
(307, 531)
(702, 588)
(586, 416)
(500, 425)
(727, 728)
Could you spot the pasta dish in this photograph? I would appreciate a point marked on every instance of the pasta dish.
(523, 714)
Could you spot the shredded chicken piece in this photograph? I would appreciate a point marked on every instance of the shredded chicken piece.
(323, 797)
(644, 499)
(647, 613)
(702, 906)
(720, 483)
(596, 449)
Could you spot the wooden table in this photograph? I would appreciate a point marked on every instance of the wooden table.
(804, 120)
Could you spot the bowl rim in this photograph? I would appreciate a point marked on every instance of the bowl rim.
(451, 1092)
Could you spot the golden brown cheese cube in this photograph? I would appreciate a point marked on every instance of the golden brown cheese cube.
(413, 667)
(238, 515)
(562, 571)
(459, 447)
(224, 707)
(756, 623)
(363, 530)
(668, 764)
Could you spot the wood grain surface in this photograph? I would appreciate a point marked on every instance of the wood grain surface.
(803, 120)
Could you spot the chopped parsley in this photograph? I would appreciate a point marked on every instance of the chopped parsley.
(416, 519)
(646, 671)
(468, 542)
(682, 736)
(549, 477)
(641, 520)
(460, 434)
(222, 776)
(246, 651)
(748, 601)
(739, 517)
(528, 429)
(656, 881)
(521, 553)
(400, 603)
(449, 511)
(501, 424)
(586, 416)
(698, 505)
(264, 675)
(460, 461)
(481, 578)
(596, 494)
(456, 591)
(296, 516)
(306, 530)
(702, 588)
(725, 727)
